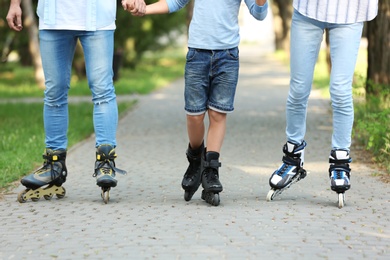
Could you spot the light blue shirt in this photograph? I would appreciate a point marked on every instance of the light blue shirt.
(89, 15)
(340, 12)
(214, 24)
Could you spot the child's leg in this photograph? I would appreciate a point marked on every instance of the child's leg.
(195, 130)
(216, 131)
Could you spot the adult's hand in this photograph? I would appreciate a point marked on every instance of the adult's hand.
(14, 16)
(135, 7)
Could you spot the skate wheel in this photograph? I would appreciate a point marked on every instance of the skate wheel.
(60, 196)
(270, 195)
(48, 197)
(215, 199)
(35, 199)
(187, 196)
(105, 196)
(341, 200)
(203, 195)
(21, 198)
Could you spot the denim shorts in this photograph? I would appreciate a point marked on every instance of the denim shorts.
(211, 78)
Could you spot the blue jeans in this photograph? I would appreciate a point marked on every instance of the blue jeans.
(57, 50)
(306, 38)
(211, 78)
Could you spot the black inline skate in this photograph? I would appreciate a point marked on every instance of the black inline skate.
(290, 171)
(105, 170)
(191, 179)
(47, 180)
(339, 173)
(210, 178)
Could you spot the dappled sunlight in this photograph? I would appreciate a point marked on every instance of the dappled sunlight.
(160, 96)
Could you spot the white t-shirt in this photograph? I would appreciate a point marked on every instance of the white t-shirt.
(340, 12)
(77, 14)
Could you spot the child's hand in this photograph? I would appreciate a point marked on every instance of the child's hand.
(135, 7)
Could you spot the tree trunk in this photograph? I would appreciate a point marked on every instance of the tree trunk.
(30, 24)
(282, 13)
(378, 36)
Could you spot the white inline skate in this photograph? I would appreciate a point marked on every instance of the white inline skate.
(289, 172)
(339, 174)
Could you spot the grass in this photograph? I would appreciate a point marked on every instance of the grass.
(22, 133)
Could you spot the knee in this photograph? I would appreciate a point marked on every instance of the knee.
(195, 119)
(216, 116)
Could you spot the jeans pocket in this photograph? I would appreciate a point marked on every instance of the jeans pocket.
(234, 53)
(190, 54)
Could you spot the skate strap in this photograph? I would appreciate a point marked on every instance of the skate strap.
(193, 158)
(294, 161)
(105, 157)
(342, 161)
(212, 164)
(53, 157)
(339, 167)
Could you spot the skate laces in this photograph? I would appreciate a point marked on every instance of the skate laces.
(285, 167)
(50, 161)
(104, 167)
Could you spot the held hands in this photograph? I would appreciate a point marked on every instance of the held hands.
(135, 7)
(14, 17)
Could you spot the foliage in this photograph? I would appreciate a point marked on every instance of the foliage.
(11, 40)
(135, 35)
(372, 120)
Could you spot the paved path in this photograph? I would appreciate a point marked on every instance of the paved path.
(147, 217)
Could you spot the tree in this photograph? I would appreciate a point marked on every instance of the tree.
(30, 23)
(378, 36)
(136, 35)
(282, 12)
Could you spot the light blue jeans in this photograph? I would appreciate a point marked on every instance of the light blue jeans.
(57, 50)
(306, 38)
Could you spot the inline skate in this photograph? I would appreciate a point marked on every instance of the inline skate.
(339, 174)
(191, 179)
(210, 178)
(105, 170)
(290, 171)
(47, 180)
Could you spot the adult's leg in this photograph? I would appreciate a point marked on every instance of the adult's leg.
(57, 50)
(98, 49)
(306, 37)
(344, 47)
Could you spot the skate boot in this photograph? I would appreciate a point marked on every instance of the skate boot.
(47, 180)
(290, 171)
(105, 170)
(339, 173)
(191, 179)
(210, 178)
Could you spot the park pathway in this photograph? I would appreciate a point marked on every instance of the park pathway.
(147, 217)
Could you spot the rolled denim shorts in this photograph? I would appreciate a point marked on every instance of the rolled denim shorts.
(211, 78)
